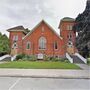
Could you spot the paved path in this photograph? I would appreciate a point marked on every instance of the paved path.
(47, 73)
(14, 83)
(2, 62)
(84, 66)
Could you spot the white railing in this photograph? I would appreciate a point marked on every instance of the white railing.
(3, 57)
(13, 57)
(69, 58)
(81, 57)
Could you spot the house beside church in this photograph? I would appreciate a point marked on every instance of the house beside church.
(43, 39)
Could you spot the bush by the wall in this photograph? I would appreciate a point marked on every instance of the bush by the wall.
(29, 58)
(26, 57)
(55, 59)
(20, 56)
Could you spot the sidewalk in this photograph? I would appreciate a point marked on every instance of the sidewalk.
(84, 66)
(45, 73)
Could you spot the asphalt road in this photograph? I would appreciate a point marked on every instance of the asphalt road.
(15, 83)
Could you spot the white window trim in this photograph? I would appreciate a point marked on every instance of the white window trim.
(54, 45)
(29, 45)
(44, 43)
(69, 27)
(13, 46)
(71, 44)
(15, 38)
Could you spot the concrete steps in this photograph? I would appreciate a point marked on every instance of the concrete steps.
(5, 58)
(76, 59)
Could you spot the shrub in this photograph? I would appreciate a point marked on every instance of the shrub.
(20, 56)
(60, 60)
(88, 61)
(26, 57)
(46, 58)
(30, 58)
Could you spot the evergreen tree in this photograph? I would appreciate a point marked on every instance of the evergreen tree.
(83, 28)
(4, 45)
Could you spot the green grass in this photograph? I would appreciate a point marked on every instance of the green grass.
(88, 62)
(38, 65)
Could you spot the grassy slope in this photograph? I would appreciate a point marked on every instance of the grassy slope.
(38, 65)
(88, 61)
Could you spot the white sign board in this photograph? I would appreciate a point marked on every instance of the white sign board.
(40, 56)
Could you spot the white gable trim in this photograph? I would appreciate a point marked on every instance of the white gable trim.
(38, 25)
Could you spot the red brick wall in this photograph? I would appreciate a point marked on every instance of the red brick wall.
(19, 42)
(50, 37)
(64, 32)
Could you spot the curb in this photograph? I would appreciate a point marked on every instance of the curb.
(54, 77)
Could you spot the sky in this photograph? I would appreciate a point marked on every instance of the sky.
(30, 12)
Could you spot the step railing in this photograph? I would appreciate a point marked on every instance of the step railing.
(3, 57)
(13, 57)
(81, 57)
(69, 58)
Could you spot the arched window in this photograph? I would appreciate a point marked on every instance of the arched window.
(55, 45)
(42, 43)
(28, 45)
(69, 27)
(70, 44)
(15, 45)
(15, 38)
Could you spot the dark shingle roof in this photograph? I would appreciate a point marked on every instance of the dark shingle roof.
(67, 19)
(17, 28)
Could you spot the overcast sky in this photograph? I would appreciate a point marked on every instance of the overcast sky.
(30, 12)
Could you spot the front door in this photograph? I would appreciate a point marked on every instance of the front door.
(70, 50)
(14, 51)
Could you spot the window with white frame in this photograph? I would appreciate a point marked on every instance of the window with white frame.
(42, 43)
(69, 27)
(15, 45)
(70, 35)
(28, 45)
(70, 44)
(55, 45)
(15, 38)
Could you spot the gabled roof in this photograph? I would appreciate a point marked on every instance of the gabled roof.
(38, 25)
(17, 28)
(67, 19)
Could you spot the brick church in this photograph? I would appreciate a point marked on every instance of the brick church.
(43, 40)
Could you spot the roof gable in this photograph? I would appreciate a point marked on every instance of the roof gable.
(18, 28)
(40, 24)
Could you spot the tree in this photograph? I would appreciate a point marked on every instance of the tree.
(4, 45)
(83, 28)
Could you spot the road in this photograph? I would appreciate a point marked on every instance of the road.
(18, 83)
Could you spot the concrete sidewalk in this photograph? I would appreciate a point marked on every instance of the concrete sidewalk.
(84, 66)
(45, 73)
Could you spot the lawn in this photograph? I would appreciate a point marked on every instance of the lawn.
(38, 65)
(88, 61)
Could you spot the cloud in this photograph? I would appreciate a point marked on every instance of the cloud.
(29, 12)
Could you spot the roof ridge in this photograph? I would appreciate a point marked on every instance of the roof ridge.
(17, 27)
(38, 25)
